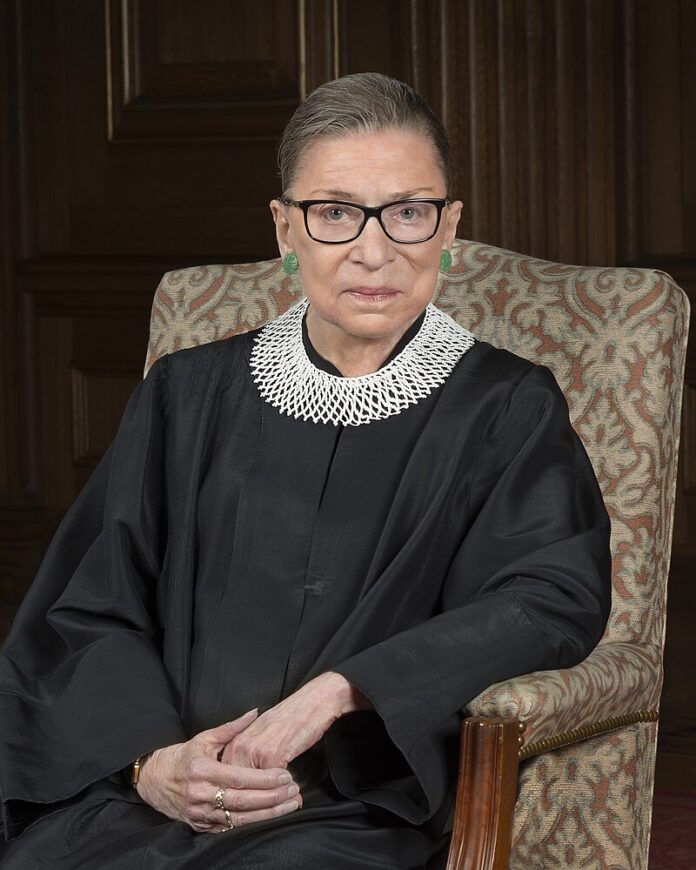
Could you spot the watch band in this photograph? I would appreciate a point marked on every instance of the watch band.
(135, 768)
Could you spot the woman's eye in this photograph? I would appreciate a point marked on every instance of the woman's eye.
(334, 214)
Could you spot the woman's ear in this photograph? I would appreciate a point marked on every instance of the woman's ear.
(282, 226)
(453, 214)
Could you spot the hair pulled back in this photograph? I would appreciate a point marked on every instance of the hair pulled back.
(359, 103)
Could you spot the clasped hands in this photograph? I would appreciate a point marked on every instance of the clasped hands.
(247, 757)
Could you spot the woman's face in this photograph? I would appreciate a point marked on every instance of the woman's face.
(369, 169)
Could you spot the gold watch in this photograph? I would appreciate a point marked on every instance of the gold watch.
(135, 768)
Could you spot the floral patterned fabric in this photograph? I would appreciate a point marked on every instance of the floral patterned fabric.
(615, 678)
(615, 340)
(589, 805)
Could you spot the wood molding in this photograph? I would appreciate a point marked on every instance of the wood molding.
(14, 208)
(157, 91)
(319, 46)
(486, 792)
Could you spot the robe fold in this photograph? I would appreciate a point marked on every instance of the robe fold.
(223, 554)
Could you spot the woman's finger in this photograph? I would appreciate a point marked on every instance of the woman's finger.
(246, 818)
(245, 800)
(233, 776)
(202, 797)
(222, 734)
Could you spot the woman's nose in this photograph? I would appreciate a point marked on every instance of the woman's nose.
(373, 247)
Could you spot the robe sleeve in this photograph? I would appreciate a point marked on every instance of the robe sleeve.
(83, 688)
(529, 588)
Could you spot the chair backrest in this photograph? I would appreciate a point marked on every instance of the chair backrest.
(614, 338)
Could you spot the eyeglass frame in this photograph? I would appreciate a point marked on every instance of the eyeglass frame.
(368, 212)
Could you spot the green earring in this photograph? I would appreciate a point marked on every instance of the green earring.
(290, 264)
(445, 260)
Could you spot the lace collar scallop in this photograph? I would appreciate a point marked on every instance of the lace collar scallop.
(290, 381)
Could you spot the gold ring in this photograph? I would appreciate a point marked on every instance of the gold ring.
(219, 803)
(228, 817)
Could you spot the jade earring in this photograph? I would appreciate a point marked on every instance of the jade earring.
(445, 260)
(290, 264)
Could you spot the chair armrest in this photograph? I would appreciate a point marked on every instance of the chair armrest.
(486, 793)
(614, 680)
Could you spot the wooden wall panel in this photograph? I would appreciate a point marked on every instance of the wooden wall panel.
(662, 87)
(687, 114)
(75, 320)
(532, 95)
(177, 71)
(676, 756)
(99, 392)
(10, 244)
(689, 436)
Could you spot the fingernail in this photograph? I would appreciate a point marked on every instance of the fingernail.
(243, 716)
(283, 778)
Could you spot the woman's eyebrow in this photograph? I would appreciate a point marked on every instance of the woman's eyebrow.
(341, 193)
(400, 194)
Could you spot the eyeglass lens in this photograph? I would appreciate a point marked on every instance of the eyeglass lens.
(403, 221)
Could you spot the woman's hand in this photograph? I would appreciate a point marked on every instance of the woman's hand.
(181, 781)
(294, 724)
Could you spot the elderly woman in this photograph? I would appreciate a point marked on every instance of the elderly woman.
(308, 547)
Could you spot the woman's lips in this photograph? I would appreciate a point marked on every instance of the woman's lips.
(372, 294)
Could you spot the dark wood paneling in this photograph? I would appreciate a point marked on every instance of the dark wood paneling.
(662, 87)
(676, 758)
(11, 242)
(688, 120)
(319, 39)
(79, 317)
(24, 536)
(688, 438)
(216, 70)
(533, 98)
(98, 394)
(375, 36)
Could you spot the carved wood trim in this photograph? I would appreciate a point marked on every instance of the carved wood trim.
(486, 793)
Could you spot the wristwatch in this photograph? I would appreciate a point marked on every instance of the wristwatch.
(134, 769)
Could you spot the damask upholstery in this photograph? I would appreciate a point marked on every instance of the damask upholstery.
(615, 340)
(588, 805)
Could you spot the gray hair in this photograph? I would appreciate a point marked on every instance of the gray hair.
(359, 103)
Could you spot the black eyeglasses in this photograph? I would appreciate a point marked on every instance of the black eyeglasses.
(335, 222)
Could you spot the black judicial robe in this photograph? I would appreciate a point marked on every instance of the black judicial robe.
(222, 554)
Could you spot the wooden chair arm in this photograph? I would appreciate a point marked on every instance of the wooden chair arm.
(486, 794)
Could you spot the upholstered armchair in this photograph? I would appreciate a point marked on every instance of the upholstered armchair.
(556, 767)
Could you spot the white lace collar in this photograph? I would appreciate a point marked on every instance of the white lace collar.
(289, 380)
